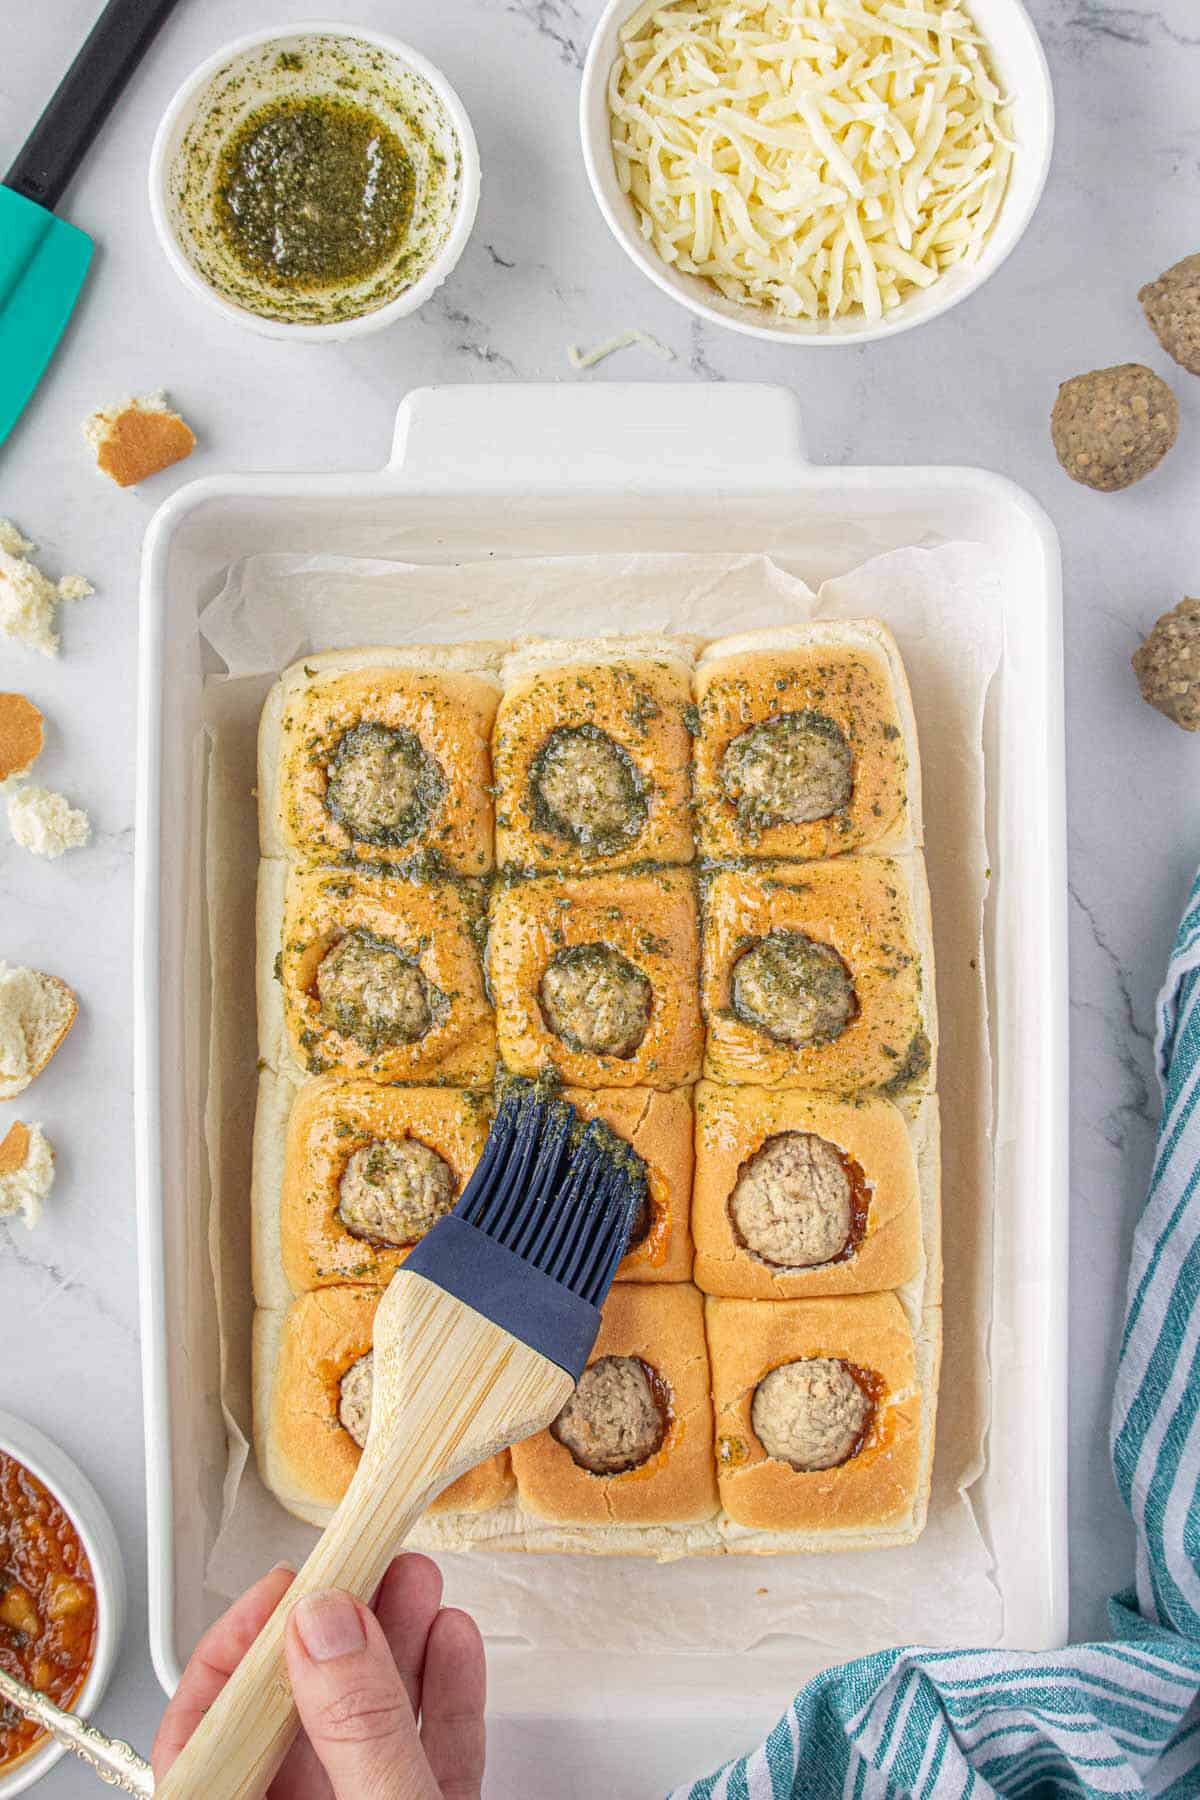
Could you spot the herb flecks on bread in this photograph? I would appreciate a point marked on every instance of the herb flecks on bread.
(36, 1013)
(137, 438)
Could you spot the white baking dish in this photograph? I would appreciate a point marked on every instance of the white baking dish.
(552, 470)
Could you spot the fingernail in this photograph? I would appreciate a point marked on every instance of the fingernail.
(276, 1567)
(329, 1626)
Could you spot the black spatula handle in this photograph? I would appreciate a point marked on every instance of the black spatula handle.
(84, 98)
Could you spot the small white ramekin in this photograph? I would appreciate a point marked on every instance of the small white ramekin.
(1020, 65)
(80, 1501)
(188, 102)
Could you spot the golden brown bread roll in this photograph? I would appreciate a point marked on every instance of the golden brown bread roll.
(367, 1169)
(800, 1194)
(384, 763)
(591, 763)
(659, 1128)
(851, 1396)
(805, 745)
(596, 978)
(642, 1413)
(306, 1453)
(819, 976)
(383, 975)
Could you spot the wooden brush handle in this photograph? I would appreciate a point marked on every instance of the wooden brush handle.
(450, 1388)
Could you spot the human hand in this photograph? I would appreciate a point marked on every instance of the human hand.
(361, 1678)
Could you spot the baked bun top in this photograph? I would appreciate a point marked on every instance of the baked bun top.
(805, 745)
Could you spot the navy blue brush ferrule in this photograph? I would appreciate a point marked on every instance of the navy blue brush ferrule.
(509, 1291)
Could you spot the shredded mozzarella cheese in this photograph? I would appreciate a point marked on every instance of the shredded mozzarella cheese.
(811, 157)
(580, 358)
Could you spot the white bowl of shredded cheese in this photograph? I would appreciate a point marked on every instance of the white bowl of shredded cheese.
(817, 171)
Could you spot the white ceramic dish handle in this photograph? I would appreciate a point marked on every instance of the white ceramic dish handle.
(633, 436)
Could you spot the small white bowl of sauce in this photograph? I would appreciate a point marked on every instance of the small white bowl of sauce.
(315, 183)
(62, 1593)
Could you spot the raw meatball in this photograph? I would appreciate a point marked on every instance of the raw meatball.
(792, 1205)
(587, 789)
(788, 770)
(793, 989)
(382, 784)
(811, 1414)
(1168, 665)
(614, 1420)
(1172, 308)
(370, 991)
(1113, 426)
(596, 1001)
(394, 1190)
(354, 1397)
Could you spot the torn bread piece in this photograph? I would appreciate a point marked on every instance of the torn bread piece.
(138, 437)
(44, 822)
(22, 734)
(36, 1013)
(29, 599)
(26, 1172)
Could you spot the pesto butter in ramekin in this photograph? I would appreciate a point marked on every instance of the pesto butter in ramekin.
(316, 183)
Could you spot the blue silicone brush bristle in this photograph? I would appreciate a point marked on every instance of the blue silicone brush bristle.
(535, 1240)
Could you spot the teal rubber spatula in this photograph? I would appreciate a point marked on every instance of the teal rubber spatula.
(43, 260)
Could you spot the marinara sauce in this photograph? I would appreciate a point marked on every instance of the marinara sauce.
(47, 1601)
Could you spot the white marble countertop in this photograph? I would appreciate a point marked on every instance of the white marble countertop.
(541, 271)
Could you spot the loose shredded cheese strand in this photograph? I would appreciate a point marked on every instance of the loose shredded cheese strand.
(624, 340)
(811, 157)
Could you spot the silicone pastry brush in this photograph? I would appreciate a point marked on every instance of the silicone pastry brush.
(479, 1340)
(43, 260)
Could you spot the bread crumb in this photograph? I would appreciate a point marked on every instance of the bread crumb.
(26, 1172)
(29, 599)
(36, 1012)
(45, 822)
(21, 735)
(138, 437)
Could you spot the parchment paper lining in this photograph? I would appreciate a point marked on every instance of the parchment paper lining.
(943, 606)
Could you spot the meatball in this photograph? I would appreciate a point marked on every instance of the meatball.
(795, 990)
(1167, 665)
(788, 770)
(596, 1001)
(811, 1414)
(354, 1397)
(614, 1420)
(1113, 426)
(382, 784)
(369, 990)
(793, 1205)
(586, 788)
(1172, 308)
(394, 1190)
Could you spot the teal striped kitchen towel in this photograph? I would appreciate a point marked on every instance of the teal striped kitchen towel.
(1119, 1718)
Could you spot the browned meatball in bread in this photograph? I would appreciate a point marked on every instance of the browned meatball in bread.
(811, 1414)
(614, 1420)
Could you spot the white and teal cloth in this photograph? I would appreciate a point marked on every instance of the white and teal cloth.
(1119, 1718)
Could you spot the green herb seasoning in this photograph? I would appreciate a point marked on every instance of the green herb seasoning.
(314, 192)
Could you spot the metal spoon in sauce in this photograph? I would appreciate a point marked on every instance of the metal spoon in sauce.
(116, 1763)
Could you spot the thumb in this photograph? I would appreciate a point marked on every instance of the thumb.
(352, 1702)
